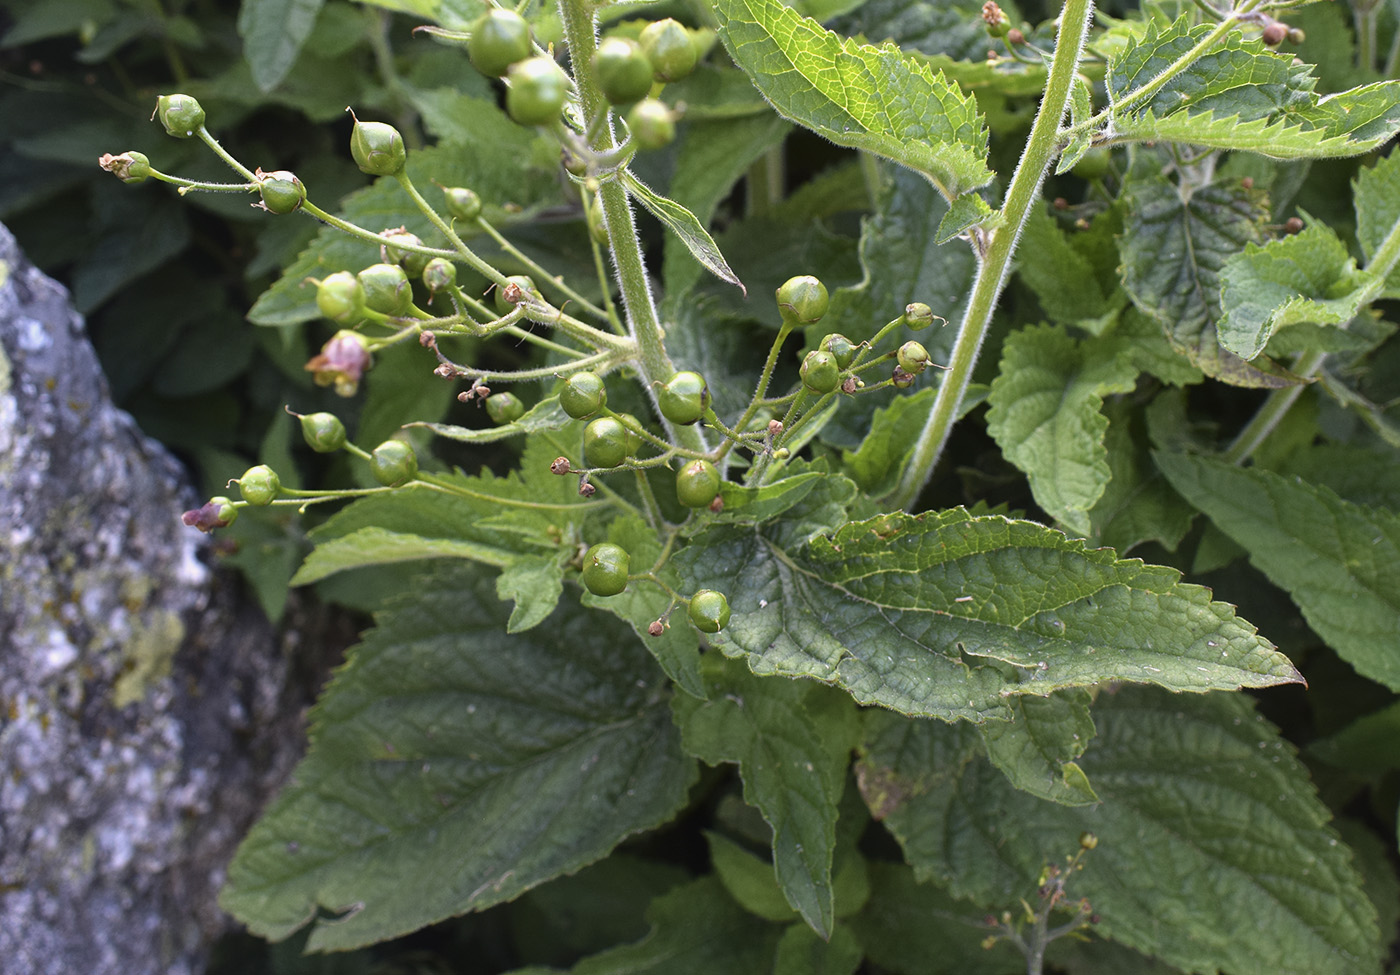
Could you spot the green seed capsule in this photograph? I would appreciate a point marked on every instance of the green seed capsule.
(462, 203)
(377, 148)
(439, 274)
(802, 300)
(605, 569)
(393, 463)
(413, 262)
(387, 290)
(819, 372)
(537, 91)
(842, 349)
(281, 191)
(912, 357)
(684, 398)
(259, 485)
(499, 38)
(517, 288)
(668, 47)
(341, 298)
(918, 315)
(652, 124)
(697, 484)
(624, 73)
(504, 408)
(709, 611)
(129, 167)
(181, 115)
(324, 433)
(604, 442)
(583, 394)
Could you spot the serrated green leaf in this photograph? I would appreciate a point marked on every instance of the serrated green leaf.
(1038, 748)
(452, 768)
(375, 546)
(1062, 277)
(756, 505)
(877, 463)
(1175, 241)
(968, 211)
(801, 952)
(793, 772)
(1138, 505)
(749, 879)
(685, 226)
(1045, 415)
(1376, 195)
(273, 32)
(858, 95)
(696, 930)
(953, 29)
(547, 414)
(1207, 818)
(1304, 277)
(947, 614)
(534, 583)
(1339, 561)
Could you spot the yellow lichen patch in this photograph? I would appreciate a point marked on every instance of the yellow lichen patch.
(147, 655)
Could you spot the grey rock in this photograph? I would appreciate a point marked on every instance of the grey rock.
(143, 703)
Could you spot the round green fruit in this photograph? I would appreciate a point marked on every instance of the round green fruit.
(624, 73)
(378, 148)
(802, 300)
(583, 394)
(912, 358)
(709, 611)
(697, 484)
(819, 372)
(341, 298)
(181, 115)
(439, 274)
(504, 408)
(605, 568)
(684, 398)
(281, 192)
(604, 442)
(652, 124)
(393, 463)
(462, 203)
(508, 297)
(324, 433)
(537, 91)
(387, 290)
(667, 45)
(918, 315)
(842, 349)
(413, 262)
(499, 38)
(259, 485)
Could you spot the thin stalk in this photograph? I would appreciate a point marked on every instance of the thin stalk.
(224, 154)
(643, 322)
(534, 268)
(993, 267)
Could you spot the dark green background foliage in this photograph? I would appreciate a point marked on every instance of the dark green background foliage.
(508, 774)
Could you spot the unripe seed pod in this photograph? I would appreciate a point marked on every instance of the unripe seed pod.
(605, 569)
(583, 394)
(1296, 35)
(499, 38)
(652, 124)
(604, 442)
(802, 300)
(842, 349)
(324, 433)
(181, 115)
(709, 611)
(413, 262)
(1088, 841)
(281, 191)
(684, 398)
(1274, 33)
(259, 485)
(537, 91)
(129, 167)
(377, 148)
(624, 73)
(697, 484)
(462, 203)
(518, 287)
(912, 357)
(439, 274)
(393, 463)
(902, 379)
(998, 25)
(819, 372)
(918, 315)
(504, 408)
(668, 47)
(387, 290)
(341, 298)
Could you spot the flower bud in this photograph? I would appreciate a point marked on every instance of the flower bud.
(181, 115)
(343, 360)
(281, 191)
(341, 298)
(216, 513)
(129, 167)
(259, 485)
(377, 148)
(387, 290)
(324, 433)
(462, 203)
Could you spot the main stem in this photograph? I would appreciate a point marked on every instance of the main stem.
(994, 265)
(643, 323)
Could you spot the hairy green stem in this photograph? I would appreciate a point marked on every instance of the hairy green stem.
(534, 268)
(994, 265)
(643, 322)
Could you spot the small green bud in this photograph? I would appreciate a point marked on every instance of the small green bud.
(324, 433)
(652, 124)
(387, 290)
(912, 357)
(537, 91)
(918, 315)
(842, 349)
(668, 47)
(583, 394)
(281, 191)
(393, 463)
(504, 408)
(129, 167)
(462, 203)
(624, 73)
(439, 274)
(802, 300)
(413, 262)
(377, 148)
(499, 38)
(181, 115)
(709, 611)
(819, 372)
(259, 485)
(341, 298)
